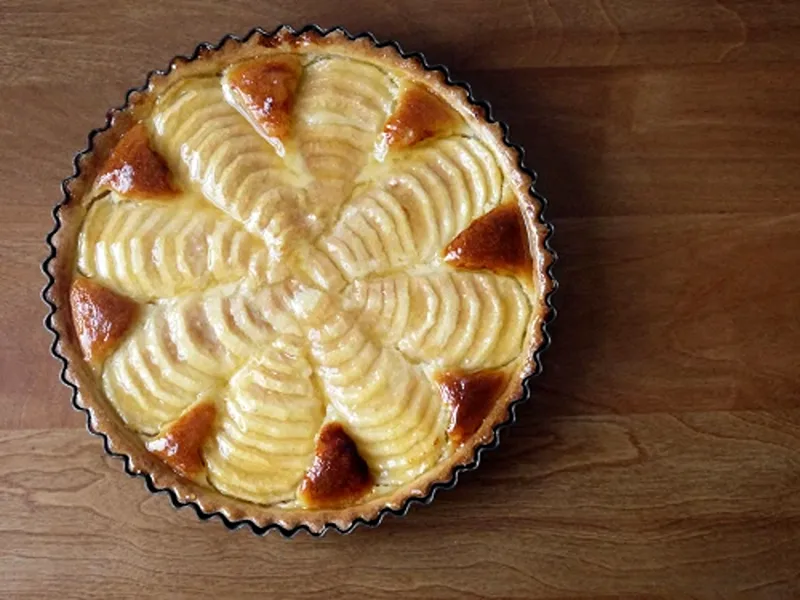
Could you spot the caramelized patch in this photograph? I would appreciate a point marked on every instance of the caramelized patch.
(338, 475)
(419, 115)
(134, 168)
(471, 397)
(497, 241)
(266, 90)
(101, 317)
(180, 444)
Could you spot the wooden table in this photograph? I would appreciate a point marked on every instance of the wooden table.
(661, 454)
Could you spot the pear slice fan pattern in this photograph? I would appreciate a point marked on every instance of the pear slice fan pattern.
(281, 307)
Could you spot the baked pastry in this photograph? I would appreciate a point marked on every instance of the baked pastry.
(299, 280)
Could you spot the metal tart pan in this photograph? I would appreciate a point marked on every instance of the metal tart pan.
(458, 470)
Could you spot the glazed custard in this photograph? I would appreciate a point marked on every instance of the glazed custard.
(305, 279)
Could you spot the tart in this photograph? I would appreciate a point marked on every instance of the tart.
(299, 280)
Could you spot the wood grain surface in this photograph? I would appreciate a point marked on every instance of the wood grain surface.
(661, 454)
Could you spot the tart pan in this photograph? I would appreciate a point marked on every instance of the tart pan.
(52, 294)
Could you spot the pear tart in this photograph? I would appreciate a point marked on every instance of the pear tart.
(299, 279)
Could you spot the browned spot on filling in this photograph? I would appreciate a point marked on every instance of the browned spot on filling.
(267, 89)
(339, 475)
(419, 115)
(180, 444)
(101, 318)
(134, 168)
(471, 397)
(497, 241)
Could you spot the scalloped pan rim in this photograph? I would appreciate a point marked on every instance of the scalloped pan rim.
(458, 469)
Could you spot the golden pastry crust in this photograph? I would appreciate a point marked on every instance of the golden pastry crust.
(122, 439)
(471, 396)
(134, 168)
(180, 444)
(266, 88)
(419, 116)
(339, 475)
(101, 318)
(497, 241)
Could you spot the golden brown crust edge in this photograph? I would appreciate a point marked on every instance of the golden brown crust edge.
(104, 420)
